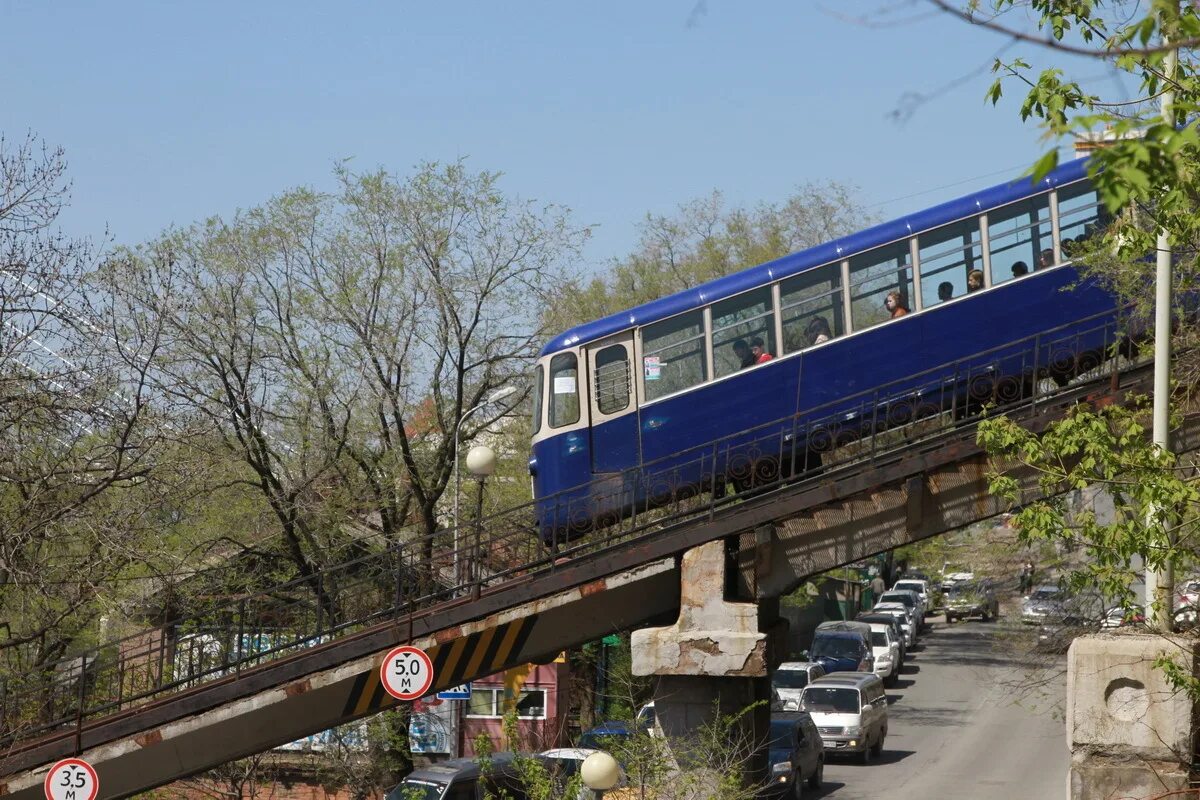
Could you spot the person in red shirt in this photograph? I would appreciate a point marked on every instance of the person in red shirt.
(761, 356)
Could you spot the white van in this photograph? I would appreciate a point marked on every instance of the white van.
(850, 710)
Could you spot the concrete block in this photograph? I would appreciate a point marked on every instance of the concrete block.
(1105, 779)
(712, 635)
(1119, 705)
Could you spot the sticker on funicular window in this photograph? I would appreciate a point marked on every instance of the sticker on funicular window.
(564, 384)
(653, 367)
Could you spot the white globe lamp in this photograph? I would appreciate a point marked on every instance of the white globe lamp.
(600, 772)
(481, 461)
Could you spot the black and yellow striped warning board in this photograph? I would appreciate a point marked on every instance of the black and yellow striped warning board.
(481, 653)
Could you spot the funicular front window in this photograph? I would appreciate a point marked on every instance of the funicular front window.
(873, 276)
(947, 256)
(673, 354)
(737, 324)
(810, 305)
(1020, 238)
(564, 390)
(539, 389)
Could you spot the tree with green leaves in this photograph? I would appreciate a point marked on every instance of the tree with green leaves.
(1145, 169)
(331, 342)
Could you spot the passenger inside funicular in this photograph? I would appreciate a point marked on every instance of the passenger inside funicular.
(759, 351)
(945, 291)
(974, 280)
(818, 331)
(894, 303)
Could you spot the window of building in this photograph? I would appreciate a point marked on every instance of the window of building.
(489, 703)
(539, 389)
(947, 255)
(738, 323)
(810, 305)
(564, 390)
(1080, 215)
(673, 354)
(1018, 234)
(875, 274)
(612, 379)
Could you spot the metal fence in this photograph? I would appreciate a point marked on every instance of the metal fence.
(222, 639)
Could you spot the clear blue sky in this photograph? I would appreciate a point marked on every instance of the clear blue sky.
(171, 112)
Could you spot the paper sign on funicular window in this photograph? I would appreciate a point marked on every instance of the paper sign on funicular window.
(653, 367)
(564, 385)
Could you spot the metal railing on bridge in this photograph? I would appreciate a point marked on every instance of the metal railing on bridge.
(219, 640)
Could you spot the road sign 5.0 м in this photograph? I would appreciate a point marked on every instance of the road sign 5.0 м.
(406, 673)
(72, 779)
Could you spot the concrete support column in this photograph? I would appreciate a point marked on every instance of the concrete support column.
(713, 661)
(1131, 733)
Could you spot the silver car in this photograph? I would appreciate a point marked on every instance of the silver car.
(790, 678)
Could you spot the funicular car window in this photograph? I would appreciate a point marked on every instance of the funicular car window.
(743, 318)
(673, 354)
(1080, 216)
(810, 306)
(1017, 236)
(947, 255)
(872, 276)
(612, 379)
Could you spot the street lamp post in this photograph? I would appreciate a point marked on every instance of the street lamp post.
(481, 462)
(497, 396)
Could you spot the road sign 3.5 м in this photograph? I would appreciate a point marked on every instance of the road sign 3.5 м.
(406, 673)
(71, 779)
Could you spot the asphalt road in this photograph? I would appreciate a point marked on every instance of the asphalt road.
(975, 716)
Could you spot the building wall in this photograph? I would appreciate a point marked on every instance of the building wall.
(534, 734)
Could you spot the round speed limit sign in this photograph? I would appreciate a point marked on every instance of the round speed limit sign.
(72, 779)
(406, 673)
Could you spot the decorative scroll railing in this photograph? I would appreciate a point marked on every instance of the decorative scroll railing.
(218, 639)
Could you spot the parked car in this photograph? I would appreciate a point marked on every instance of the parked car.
(953, 574)
(842, 651)
(887, 653)
(976, 599)
(924, 591)
(790, 678)
(850, 712)
(461, 779)
(603, 735)
(1187, 600)
(910, 599)
(1044, 602)
(906, 619)
(796, 755)
(895, 621)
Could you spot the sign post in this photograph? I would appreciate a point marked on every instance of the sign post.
(406, 673)
(71, 779)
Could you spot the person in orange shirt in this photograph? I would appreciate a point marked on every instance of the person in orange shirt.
(894, 303)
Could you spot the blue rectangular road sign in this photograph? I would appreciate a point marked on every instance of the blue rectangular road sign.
(462, 692)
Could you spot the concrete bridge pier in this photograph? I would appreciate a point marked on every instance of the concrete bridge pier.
(712, 663)
(1131, 733)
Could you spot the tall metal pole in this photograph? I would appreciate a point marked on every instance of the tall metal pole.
(1160, 584)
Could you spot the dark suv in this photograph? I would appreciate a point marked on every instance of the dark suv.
(796, 755)
(842, 651)
(975, 599)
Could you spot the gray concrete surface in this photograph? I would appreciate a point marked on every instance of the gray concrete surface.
(974, 716)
